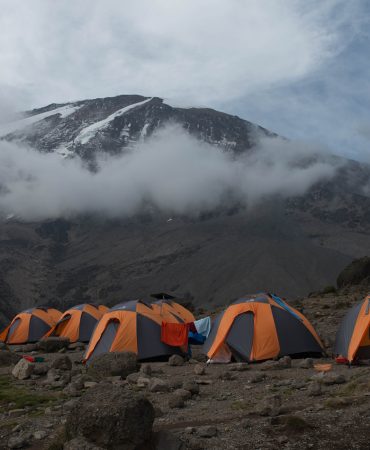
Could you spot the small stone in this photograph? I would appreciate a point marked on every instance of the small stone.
(314, 389)
(23, 369)
(199, 369)
(143, 382)
(132, 378)
(240, 367)
(191, 386)
(16, 412)
(306, 363)
(18, 442)
(176, 360)
(40, 435)
(282, 439)
(184, 394)
(146, 369)
(330, 379)
(89, 384)
(175, 402)
(257, 377)
(285, 362)
(175, 384)
(207, 432)
(41, 369)
(158, 385)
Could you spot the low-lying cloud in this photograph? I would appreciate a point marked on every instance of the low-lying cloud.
(172, 172)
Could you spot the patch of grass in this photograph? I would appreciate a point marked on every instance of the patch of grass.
(21, 396)
(240, 405)
(336, 403)
(295, 424)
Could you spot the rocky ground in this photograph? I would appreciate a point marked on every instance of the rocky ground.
(286, 404)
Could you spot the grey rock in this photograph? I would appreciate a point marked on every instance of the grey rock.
(285, 362)
(114, 364)
(164, 440)
(184, 394)
(132, 378)
(80, 444)
(62, 363)
(176, 360)
(158, 385)
(17, 412)
(191, 386)
(41, 369)
(175, 401)
(240, 367)
(330, 379)
(143, 382)
(77, 346)
(8, 358)
(18, 441)
(146, 369)
(23, 369)
(40, 434)
(306, 363)
(257, 377)
(314, 389)
(53, 344)
(111, 416)
(207, 432)
(200, 369)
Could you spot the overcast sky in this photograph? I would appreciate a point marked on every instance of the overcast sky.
(298, 67)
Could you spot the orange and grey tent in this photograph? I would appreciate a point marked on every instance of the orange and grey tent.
(135, 326)
(30, 325)
(353, 336)
(78, 322)
(260, 327)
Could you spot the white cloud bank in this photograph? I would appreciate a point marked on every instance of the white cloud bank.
(207, 51)
(172, 172)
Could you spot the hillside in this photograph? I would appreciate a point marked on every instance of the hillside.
(290, 246)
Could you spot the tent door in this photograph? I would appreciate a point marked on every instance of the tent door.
(240, 336)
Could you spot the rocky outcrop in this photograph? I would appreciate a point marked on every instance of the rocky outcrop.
(111, 417)
(356, 273)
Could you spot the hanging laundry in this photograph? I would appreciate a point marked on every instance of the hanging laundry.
(175, 334)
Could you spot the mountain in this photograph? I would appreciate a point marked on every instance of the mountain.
(289, 246)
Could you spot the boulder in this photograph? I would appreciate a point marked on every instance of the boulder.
(53, 344)
(111, 417)
(176, 360)
(8, 358)
(80, 444)
(62, 363)
(23, 369)
(358, 272)
(183, 393)
(114, 364)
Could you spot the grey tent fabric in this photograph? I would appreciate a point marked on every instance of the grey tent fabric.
(211, 337)
(13, 327)
(294, 337)
(106, 340)
(37, 329)
(149, 340)
(261, 298)
(87, 325)
(345, 330)
(240, 336)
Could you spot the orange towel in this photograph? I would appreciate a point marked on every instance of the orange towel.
(175, 334)
(323, 367)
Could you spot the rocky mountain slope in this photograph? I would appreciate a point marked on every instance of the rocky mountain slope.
(288, 246)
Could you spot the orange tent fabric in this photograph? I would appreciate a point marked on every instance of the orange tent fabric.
(78, 322)
(30, 325)
(259, 327)
(353, 336)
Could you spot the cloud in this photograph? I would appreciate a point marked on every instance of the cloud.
(206, 52)
(171, 172)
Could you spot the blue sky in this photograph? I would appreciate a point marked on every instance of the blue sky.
(300, 68)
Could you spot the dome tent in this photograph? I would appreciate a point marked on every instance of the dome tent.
(78, 322)
(260, 327)
(135, 326)
(30, 325)
(353, 336)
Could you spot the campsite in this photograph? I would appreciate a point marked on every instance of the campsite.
(57, 392)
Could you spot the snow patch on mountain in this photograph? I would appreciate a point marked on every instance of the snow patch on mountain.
(11, 127)
(86, 134)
